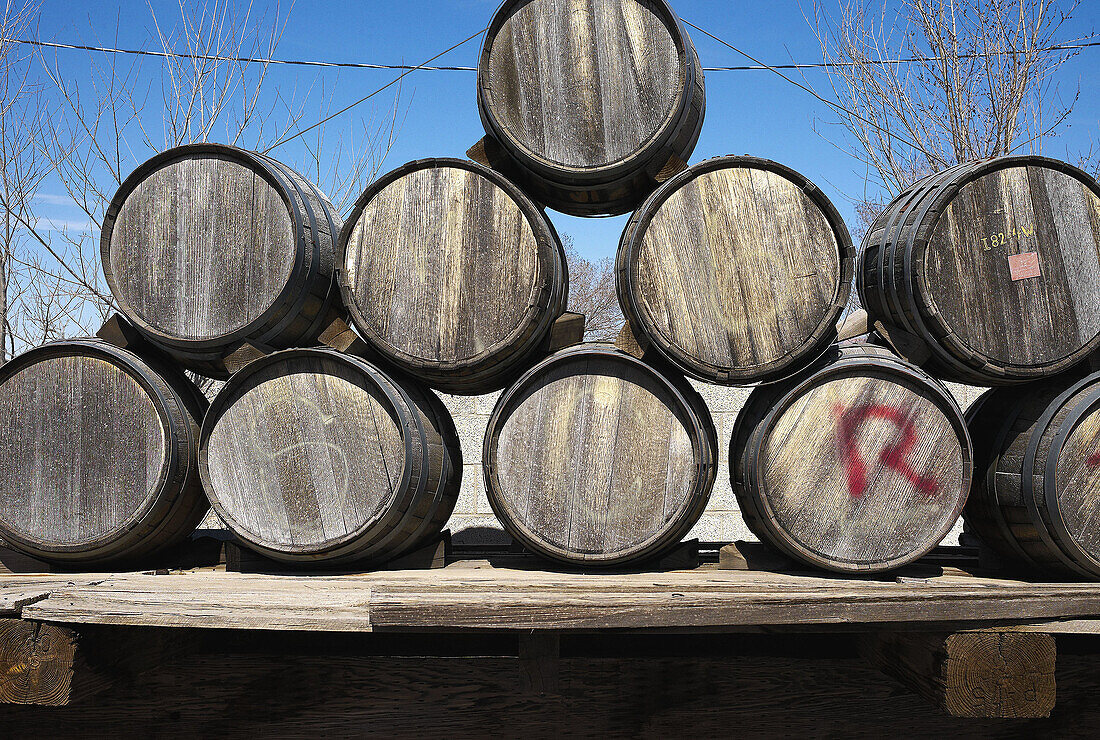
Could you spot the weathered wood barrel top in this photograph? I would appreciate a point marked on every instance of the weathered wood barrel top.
(995, 265)
(594, 458)
(207, 246)
(452, 274)
(97, 454)
(860, 464)
(591, 98)
(736, 270)
(1036, 496)
(315, 456)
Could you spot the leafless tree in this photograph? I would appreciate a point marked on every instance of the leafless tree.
(592, 292)
(103, 124)
(981, 83)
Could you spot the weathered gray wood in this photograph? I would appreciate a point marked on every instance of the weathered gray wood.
(737, 270)
(206, 246)
(996, 265)
(452, 274)
(563, 77)
(516, 600)
(595, 458)
(97, 454)
(1036, 501)
(996, 675)
(861, 464)
(311, 456)
(593, 99)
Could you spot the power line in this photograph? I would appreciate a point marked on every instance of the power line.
(425, 68)
(831, 104)
(240, 60)
(365, 98)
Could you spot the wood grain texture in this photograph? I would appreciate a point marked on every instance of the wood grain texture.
(313, 456)
(583, 83)
(764, 687)
(207, 246)
(509, 600)
(451, 273)
(591, 104)
(98, 454)
(593, 458)
(202, 247)
(1035, 499)
(861, 464)
(735, 271)
(995, 675)
(939, 264)
(36, 663)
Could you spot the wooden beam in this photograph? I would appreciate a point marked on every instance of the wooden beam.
(36, 663)
(568, 329)
(856, 325)
(540, 658)
(992, 675)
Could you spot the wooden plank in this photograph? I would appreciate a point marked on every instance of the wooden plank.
(539, 657)
(497, 599)
(1002, 675)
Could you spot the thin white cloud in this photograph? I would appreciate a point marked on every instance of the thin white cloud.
(55, 200)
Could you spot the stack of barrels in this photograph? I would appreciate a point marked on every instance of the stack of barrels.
(325, 450)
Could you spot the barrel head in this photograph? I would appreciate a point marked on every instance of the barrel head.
(303, 455)
(1013, 265)
(593, 459)
(200, 247)
(583, 84)
(82, 452)
(445, 270)
(1077, 489)
(861, 472)
(736, 272)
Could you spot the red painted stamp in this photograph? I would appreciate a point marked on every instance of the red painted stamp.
(1024, 266)
(894, 456)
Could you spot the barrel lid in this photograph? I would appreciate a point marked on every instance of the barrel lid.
(737, 269)
(304, 451)
(1007, 270)
(87, 442)
(553, 88)
(595, 457)
(445, 265)
(200, 242)
(862, 464)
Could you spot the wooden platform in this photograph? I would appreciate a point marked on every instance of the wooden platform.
(500, 646)
(473, 595)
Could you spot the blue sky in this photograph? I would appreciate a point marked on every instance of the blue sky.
(752, 112)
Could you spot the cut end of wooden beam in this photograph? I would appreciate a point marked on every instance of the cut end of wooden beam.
(244, 355)
(975, 675)
(478, 154)
(856, 325)
(36, 663)
(999, 675)
(907, 346)
(568, 330)
(673, 167)
(629, 343)
(121, 333)
(342, 338)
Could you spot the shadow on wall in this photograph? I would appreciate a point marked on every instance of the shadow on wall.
(481, 536)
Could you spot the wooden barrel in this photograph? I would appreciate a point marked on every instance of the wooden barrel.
(595, 458)
(207, 247)
(860, 464)
(452, 274)
(312, 456)
(1037, 458)
(736, 270)
(97, 454)
(593, 101)
(995, 265)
